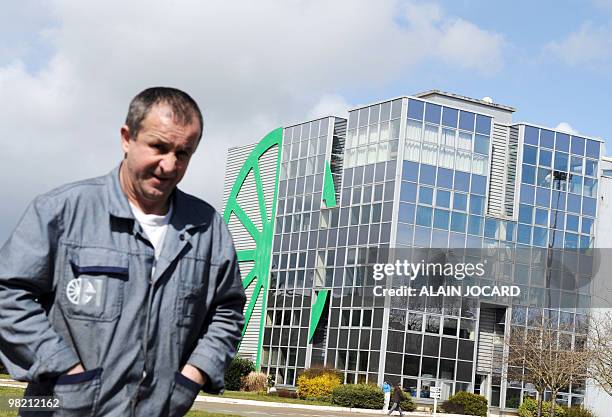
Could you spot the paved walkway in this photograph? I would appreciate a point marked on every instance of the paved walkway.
(253, 408)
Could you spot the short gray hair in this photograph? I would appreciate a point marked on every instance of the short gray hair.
(183, 106)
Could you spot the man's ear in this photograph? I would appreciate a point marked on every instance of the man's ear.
(125, 138)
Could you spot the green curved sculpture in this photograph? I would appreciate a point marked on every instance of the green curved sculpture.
(258, 276)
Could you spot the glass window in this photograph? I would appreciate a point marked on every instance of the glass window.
(543, 197)
(466, 121)
(385, 111)
(571, 240)
(576, 165)
(530, 154)
(410, 171)
(432, 113)
(587, 225)
(426, 195)
(541, 217)
(431, 133)
(415, 109)
(428, 174)
(423, 216)
(475, 225)
(528, 174)
(544, 177)
(483, 124)
(449, 117)
(458, 222)
(448, 137)
(531, 135)
(447, 157)
(527, 194)
(459, 201)
(561, 160)
(408, 192)
(479, 184)
(547, 138)
(590, 187)
(445, 178)
(577, 145)
(441, 219)
(432, 325)
(476, 204)
(575, 184)
(540, 236)
(563, 142)
(545, 158)
(524, 234)
(462, 181)
(589, 206)
(573, 203)
(463, 161)
(404, 234)
(464, 141)
(590, 168)
(412, 151)
(572, 222)
(491, 228)
(443, 198)
(413, 130)
(592, 149)
(481, 144)
(396, 111)
(406, 213)
(525, 213)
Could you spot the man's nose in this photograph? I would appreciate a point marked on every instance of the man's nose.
(168, 163)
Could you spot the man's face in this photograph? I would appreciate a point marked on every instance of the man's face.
(157, 158)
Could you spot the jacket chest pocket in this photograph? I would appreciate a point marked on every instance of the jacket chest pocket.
(93, 284)
(192, 291)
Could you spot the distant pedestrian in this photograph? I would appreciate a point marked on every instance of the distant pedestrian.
(387, 391)
(398, 397)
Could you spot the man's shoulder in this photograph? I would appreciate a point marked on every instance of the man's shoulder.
(197, 209)
(76, 189)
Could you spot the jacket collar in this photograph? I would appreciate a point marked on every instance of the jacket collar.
(185, 213)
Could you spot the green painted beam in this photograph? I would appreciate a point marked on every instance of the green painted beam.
(261, 255)
(316, 312)
(329, 189)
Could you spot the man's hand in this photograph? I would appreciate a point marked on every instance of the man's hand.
(76, 370)
(194, 374)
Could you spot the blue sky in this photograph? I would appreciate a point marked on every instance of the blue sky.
(68, 70)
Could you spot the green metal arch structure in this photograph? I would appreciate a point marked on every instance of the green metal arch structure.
(258, 276)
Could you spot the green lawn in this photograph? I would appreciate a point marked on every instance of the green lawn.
(241, 395)
(18, 392)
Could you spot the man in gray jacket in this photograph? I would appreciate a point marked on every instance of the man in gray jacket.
(121, 295)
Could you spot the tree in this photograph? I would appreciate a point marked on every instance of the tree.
(546, 355)
(600, 345)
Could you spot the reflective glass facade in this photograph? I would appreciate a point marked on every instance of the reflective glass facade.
(416, 172)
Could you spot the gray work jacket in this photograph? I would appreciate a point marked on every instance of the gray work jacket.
(76, 286)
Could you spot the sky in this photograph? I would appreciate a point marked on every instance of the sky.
(68, 70)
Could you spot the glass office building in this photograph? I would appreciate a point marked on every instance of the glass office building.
(434, 170)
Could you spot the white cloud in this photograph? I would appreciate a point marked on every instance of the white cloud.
(253, 66)
(567, 128)
(588, 46)
(330, 105)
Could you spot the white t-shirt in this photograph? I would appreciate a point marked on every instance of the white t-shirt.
(154, 226)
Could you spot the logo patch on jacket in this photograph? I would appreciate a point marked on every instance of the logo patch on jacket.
(85, 291)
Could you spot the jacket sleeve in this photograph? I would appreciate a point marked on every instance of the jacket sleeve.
(29, 347)
(220, 336)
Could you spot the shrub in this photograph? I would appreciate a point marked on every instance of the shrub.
(408, 403)
(529, 408)
(318, 385)
(359, 396)
(314, 372)
(578, 411)
(255, 381)
(466, 403)
(238, 369)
